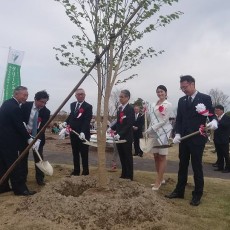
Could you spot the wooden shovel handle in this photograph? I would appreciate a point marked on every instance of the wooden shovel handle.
(189, 135)
(36, 151)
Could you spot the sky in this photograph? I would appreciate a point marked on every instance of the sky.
(197, 44)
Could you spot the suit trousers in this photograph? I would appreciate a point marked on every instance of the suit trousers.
(126, 159)
(136, 142)
(186, 150)
(39, 175)
(7, 158)
(79, 149)
(222, 151)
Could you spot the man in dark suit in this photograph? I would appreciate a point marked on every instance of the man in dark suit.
(12, 131)
(79, 120)
(34, 124)
(137, 131)
(124, 131)
(221, 140)
(189, 119)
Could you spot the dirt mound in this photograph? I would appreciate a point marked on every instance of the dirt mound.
(77, 203)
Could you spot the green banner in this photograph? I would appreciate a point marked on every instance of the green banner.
(12, 80)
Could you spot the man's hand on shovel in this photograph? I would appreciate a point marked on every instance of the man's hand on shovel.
(177, 139)
(36, 145)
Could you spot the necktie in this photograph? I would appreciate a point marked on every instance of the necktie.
(76, 108)
(189, 100)
(35, 124)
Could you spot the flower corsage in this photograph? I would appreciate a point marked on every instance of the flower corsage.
(39, 121)
(121, 117)
(80, 112)
(201, 109)
(162, 109)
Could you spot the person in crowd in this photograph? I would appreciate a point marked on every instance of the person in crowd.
(160, 130)
(192, 112)
(55, 128)
(137, 131)
(124, 131)
(79, 121)
(93, 123)
(221, 140)
(35, 115)
(12, 132)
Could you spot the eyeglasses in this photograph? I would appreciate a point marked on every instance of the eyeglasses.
(184, 87)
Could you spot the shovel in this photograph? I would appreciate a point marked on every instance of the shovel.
(86, 141)
(146, 143)
(44, 166)
(182, 138)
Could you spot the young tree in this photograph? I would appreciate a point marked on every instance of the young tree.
(97, 23)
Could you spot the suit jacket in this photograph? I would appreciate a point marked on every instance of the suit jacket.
(188, 120)
(80, 122)
(139, 123)
(12, 130)
(43, 117)
(124, 126)
(221, 135)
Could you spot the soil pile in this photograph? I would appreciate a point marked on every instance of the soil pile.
(77, 203)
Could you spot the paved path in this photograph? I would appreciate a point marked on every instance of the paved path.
(143, 164)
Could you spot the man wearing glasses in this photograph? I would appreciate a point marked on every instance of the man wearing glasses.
(189, 119)
(124, 131)
(35, 116)
(79, 120)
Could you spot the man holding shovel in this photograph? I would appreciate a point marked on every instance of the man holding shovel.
(79, 121)
(12, 131)
(190, 118)
(35, 116)
(124, 131)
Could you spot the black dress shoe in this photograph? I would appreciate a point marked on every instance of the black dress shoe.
(218, 169)
(195, 201)
(135, 154)
(85, 173)
(41, 183)
(174, 195)
(25, 193)
(5, 190)
(226, 171)
(140, 154)
(74, 174)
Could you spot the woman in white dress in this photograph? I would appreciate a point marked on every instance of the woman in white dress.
(160, 129)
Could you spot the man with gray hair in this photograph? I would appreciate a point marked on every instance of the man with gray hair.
(12, 132)
(124, 131)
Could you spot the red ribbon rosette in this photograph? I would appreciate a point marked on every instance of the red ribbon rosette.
(68, 129)
(80, 112)
(112, 133)
(39, 121)
(161, 109)
(121, 117)
(202, 130)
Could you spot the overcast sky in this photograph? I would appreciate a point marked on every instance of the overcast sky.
(197, 44)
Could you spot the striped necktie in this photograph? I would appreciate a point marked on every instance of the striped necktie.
(35, 124)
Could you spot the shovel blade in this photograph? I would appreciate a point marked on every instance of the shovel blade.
(146, 144)
(45, 167)
(90, 144)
